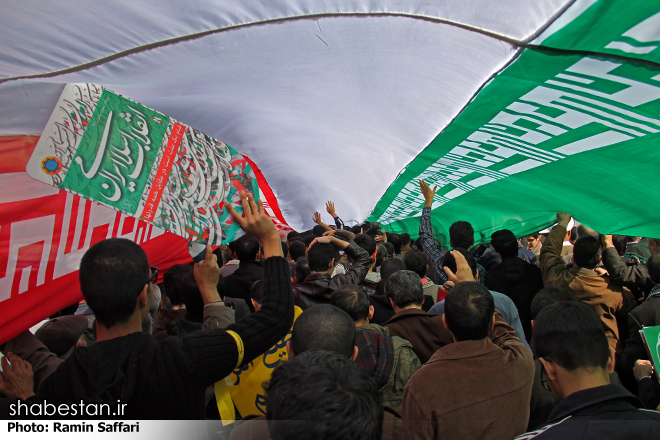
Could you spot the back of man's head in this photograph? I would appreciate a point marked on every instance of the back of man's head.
(291, 235)
(391, 266)
(404, 288)
(323, 326)
(469, 309)
(653, 265)
(461, 235)
(504, 243)
(416, 261)
(318, 230)
(353, 300)
(179, 281)
(366, 242)
(548, 296)
(395, 239)
(405, 239)
(323, 395)
(296, 250)
(257, 291)
(586, 252)
(320, 256)
(390, 249)
(571, 334)
(450, 262)
(381, 254)
(246, 248)
(302, 269)
(112, 274)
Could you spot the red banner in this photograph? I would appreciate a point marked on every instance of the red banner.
(44, 233)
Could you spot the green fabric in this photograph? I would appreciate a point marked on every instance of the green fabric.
(554, 131)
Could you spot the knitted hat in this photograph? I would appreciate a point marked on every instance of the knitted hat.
(61, 334)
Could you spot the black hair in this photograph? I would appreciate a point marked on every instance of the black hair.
(381, 254)
(323, 395)
(302, 269)
(587, 252)
(395, 239)
(177, 283)
(390, 248)
(324, 326)
(450, 262)
(112, 274)
(405, 238)
(653, 265)
(504, 243)
(246, 248)
(404, 288)
(390, 266)
(257, 291)
(353, 300)
(620, 243)
(291, 235)
(584, 231)
(308, 239)
(550, 295)
(416, 261)
(366, 242)
(320, 256)
(356, 229)
(571, 334)
(461, 235)
(318, 230)
(469, 308)
(297, 249)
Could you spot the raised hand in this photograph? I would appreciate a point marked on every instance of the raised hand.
(330, 207)
(255, 221)
(427, 192)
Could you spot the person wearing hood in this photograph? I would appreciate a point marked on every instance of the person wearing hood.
(514, 277)
(389, 360)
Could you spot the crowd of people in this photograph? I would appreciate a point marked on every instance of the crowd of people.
(523, 337)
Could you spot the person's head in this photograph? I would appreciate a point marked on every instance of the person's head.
(533, 240)
(353, 300)
(587, 252)
(548, 296)
(381, 254)
(504, 243)
(572, 347)
(390, 249)
(61, 335)
(469, 309)
(114, 279)
(653, 265)
(246, 248)
(179, 282)
(584, 231)
(416, 261)
(620, 243)
(450, 262)
(291, 235)
(366, 242)
(322, 395)
(302, 269)
(318, 230)
(296, 250)
(405, 239)
(395, 239)
(323, 326)
(257, 294)
(404, 289)
(321, 257)
(461, 235)
(654, 245)
(391, 266)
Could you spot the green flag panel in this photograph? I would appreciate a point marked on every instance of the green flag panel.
(552, 132)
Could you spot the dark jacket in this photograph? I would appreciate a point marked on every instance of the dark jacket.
(317, 287)
(520, 281)
(239, 283)
(425, 331)
(605, 412)
(635, 276)
(647, 314)
(167, 380)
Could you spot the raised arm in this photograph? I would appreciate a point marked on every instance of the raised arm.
(552, 265)
(330, 207)
(429, 246)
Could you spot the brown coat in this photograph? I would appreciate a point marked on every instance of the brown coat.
(472, 389)
(425, 331)
(605, 297)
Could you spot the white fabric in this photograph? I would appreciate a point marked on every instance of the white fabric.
(330, 108)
